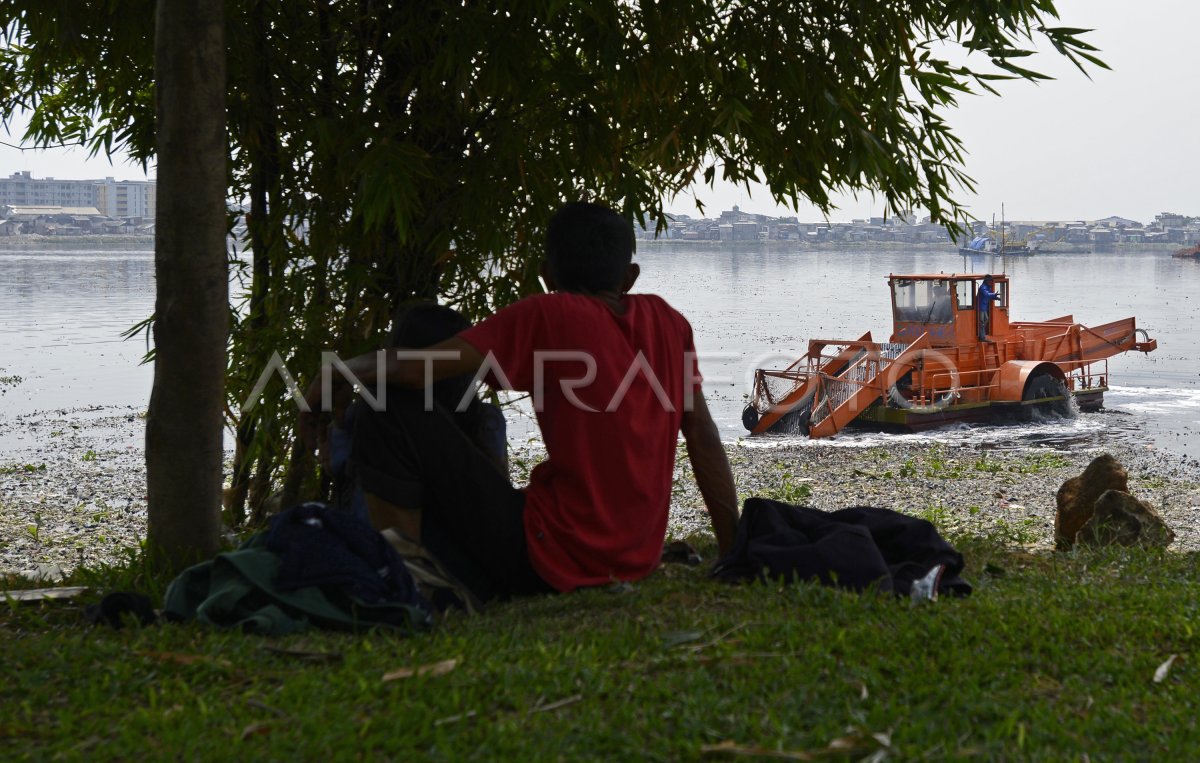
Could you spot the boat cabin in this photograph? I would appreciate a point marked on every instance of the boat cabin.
(944, 307)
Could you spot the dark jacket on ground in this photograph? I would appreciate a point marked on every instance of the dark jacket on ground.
(853, 548)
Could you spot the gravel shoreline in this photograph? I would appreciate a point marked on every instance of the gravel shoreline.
(73, 487)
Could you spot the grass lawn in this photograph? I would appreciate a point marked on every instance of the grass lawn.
(1054, 657)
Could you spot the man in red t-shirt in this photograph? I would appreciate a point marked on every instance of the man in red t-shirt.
(613, 380)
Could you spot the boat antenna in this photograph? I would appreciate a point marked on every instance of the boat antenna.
(1003, 262)
(1002, 228)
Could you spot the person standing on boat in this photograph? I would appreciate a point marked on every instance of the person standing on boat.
(983, 303)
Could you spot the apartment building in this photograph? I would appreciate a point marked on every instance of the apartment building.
(22, 190)
(125, 198)
(113, 198)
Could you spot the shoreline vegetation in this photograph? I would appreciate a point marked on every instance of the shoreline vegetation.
(33, 242)
(72, 490)
(1082, 655)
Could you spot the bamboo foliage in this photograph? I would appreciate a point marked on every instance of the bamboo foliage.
(396, 151)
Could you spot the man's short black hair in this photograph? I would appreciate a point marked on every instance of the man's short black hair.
(988, 278)
(588, 247)
(424, 324)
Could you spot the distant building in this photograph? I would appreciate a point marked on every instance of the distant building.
(1171, 220)
(903, 229)
(23, 190)
(787, 231)
(125, 198)
(729, 215)
(745, 231)
(1115, 221)
(52, 220)
(113, 198)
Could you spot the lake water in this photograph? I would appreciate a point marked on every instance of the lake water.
(62, 314)
(61, 319)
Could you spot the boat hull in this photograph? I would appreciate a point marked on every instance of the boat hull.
(917, 419)
(1008, 250)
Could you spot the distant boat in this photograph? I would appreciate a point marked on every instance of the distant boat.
(977, 245)
(996, 242)
(985, 245)
(1191, 251)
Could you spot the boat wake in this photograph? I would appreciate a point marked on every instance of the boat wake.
(1150, 400)
(1132, 415)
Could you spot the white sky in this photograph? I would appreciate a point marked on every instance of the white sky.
(63, 163)
(1126, 142)
(1123, 143)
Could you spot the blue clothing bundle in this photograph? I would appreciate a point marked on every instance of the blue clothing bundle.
(325, 548)
(314, 566)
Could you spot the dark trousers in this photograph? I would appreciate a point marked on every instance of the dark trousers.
(472, 518)
(984, 320)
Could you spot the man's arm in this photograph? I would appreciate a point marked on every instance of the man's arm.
(714, 477)
(410, 372)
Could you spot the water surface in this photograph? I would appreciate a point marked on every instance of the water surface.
(62, 314)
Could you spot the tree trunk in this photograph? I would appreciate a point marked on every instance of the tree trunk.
(184, 429)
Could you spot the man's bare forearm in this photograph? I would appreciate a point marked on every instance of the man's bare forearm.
(413, 369)
(714, 476)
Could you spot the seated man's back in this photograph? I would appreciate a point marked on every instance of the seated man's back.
(609, 386)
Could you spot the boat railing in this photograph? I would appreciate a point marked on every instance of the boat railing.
(1051, 339)
(771, 387)
(950, 383)
(843, 367)
(1040, 324)
(1085, 374)
(861, 366)
(774, 387)
(836, 390)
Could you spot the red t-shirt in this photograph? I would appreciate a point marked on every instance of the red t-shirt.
(596, 508)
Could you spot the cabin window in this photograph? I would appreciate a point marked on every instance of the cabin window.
(965, 293)
(923, 301)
